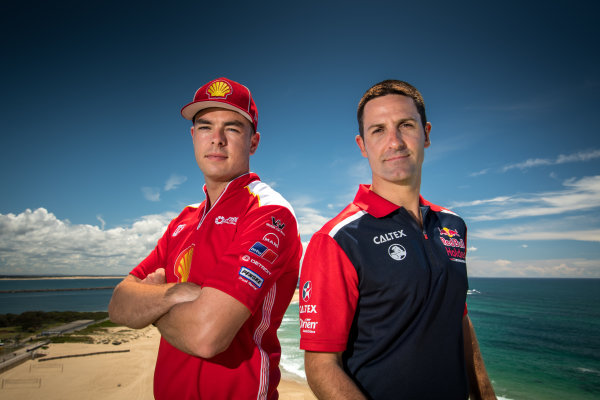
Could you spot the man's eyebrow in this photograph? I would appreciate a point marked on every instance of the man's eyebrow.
(234, 123)
(382, 124)
(201, 120)
(378, 125)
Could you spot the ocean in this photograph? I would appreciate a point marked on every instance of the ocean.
(540, 338)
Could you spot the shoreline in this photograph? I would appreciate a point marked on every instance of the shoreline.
(119, 365)
(41, 277)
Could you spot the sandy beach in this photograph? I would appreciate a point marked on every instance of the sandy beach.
(116, 372)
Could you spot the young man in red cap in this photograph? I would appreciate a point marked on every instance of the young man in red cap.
(222, 275)
(384, 284)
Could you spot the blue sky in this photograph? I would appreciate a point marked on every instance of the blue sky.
(95, 158)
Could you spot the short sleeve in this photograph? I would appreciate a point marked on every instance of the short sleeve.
(328, 296)
(265, 246)
(156, 259)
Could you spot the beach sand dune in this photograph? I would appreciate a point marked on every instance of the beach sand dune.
(98, 371)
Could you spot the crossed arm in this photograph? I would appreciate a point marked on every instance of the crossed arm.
(198, 321)
(328, 380)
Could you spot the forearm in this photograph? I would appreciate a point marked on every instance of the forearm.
(205, 326)
(480, 386)
(327, 379)
(137, 304)
(180, 327)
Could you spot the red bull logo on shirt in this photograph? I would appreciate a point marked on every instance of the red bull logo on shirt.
(448, 232)
(452, 238)
(455, 246)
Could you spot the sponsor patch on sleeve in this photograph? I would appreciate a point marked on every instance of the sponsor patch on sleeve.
(251, 276)
(264, 252)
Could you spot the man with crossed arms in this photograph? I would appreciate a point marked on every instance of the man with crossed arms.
(222, 275)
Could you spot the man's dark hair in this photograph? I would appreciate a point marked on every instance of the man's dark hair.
(391, 86)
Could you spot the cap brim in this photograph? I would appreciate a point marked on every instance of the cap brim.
(188, 111)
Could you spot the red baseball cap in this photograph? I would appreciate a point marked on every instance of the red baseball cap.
(223, 93)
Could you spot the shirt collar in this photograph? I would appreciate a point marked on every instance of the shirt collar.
(236, 183)
(376, 205)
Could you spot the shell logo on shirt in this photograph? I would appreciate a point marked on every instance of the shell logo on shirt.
(183, 264)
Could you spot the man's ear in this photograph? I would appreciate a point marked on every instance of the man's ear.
(254, 140)
(427, 131)
(361, 145)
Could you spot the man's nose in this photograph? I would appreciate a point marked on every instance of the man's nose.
(218, 136)
(395, 139)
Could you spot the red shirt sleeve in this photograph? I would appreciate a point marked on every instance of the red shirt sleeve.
(266, 246)
(328, 296)
(156, 259)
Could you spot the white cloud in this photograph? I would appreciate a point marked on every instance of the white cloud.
(559, 268)
(478, 173)
(578, 195)
(502, 263)
(36, 242)
(310, 221)
(539, 231)
(174, 181)
(102, 222)
(580, 156)
(151, 194)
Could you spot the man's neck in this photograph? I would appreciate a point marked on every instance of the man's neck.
(406, 196)
(214, 191)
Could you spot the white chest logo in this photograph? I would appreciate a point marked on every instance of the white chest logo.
(386, 237)
(179, 229)
(222, 220)
(397, 252)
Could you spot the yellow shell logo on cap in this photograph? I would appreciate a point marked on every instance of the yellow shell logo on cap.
(219, 89)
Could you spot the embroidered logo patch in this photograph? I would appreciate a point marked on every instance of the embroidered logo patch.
(306, 291)
(397, 252)
(251, 276)
(222, 220)
(264, 252)
(179, 229)
(183, 264)
(219, 89)
(272, 238)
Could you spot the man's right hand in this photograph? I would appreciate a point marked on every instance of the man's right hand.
(156, 278)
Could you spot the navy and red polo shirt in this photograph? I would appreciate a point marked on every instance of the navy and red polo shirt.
(390, 296)
(246, 245)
